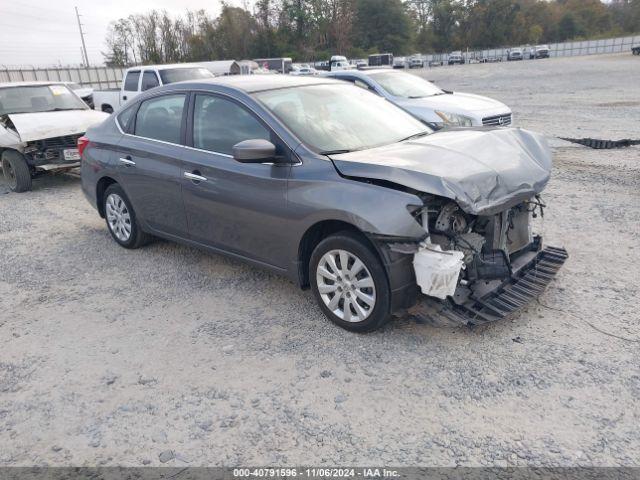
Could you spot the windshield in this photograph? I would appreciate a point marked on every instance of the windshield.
(38, 98)
(182, 74)
(331, 118)
(405, 85)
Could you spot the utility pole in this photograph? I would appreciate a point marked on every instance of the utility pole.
(84, 47)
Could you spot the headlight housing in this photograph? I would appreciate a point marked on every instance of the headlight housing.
(454, 119)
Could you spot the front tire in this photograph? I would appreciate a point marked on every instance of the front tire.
(350, 283)
(16, 171)
(121, 219)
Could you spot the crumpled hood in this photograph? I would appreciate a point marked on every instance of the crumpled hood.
(484, 170)
(38, 126)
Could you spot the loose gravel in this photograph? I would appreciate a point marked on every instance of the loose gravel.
(170, 356)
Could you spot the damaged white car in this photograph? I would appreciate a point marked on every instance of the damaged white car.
(40, 123)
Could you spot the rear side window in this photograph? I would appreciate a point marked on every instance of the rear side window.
(218, 124)
(131, 81)
(149, 80)
(160, 118)
(125, 117)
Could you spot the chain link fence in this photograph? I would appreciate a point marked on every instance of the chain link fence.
(95, 77)
(108, 77)
(565, 49)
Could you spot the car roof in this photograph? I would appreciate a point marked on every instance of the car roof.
(169, 66)
(360, 73)
(29, 84)
(259, 83)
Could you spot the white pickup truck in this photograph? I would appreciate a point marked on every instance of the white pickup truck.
(138, 79)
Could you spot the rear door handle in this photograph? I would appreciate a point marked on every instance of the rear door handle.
(195, 176)
(127, 161)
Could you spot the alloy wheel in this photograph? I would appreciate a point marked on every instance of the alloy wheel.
(346, 285)
(118, 217)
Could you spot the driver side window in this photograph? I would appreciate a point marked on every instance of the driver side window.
(218, 124)
(358, 83)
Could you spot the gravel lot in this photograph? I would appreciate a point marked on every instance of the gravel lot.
(169, 356)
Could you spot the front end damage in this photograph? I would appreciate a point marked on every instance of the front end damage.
(480, 268)
(50, 153)
(479, 189)
(57, 153)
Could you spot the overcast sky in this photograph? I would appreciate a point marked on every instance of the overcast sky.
(45, 32)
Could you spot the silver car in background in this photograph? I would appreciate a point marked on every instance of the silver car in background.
(436, 107)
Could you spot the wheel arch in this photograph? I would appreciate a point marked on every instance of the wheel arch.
(101, 187)
(318, 232)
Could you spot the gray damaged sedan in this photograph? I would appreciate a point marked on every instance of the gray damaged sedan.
(334, 187)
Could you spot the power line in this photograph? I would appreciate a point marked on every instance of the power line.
(40, 17)
(84, 46)
(40, 29)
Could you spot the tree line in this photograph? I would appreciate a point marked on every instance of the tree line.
(316, 29)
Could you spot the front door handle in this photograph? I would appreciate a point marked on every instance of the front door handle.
(127, 161)
(195, 176)
(124, 97)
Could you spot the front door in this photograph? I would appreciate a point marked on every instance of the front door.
(237, 207)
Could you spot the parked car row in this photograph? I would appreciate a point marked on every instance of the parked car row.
(513, 54)
(415, 61)
(457, 57)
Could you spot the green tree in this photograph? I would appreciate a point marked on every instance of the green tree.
(382, 25)
(568, 27)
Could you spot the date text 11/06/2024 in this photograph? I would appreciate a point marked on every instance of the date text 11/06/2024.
(315, 472)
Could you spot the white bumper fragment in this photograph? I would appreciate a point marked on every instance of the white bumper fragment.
(437, 270)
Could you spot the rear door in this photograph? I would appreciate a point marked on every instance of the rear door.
(150, 161)
(237, 207)
(130, 86)
(149, 80)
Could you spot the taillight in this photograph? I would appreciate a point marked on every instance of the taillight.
(82, 144)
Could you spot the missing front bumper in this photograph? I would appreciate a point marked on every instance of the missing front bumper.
(496, 302)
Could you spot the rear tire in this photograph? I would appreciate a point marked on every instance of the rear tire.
(121, 219)
(16, 171)
(354, 295)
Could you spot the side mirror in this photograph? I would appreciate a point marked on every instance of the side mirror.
(254, 151)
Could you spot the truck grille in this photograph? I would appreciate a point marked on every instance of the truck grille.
(50, 149)
(497, 120)
(68, 141)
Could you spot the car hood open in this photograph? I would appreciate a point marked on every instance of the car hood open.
(41, 125)
(484, 170)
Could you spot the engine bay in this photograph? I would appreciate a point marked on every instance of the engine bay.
(484, 245)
